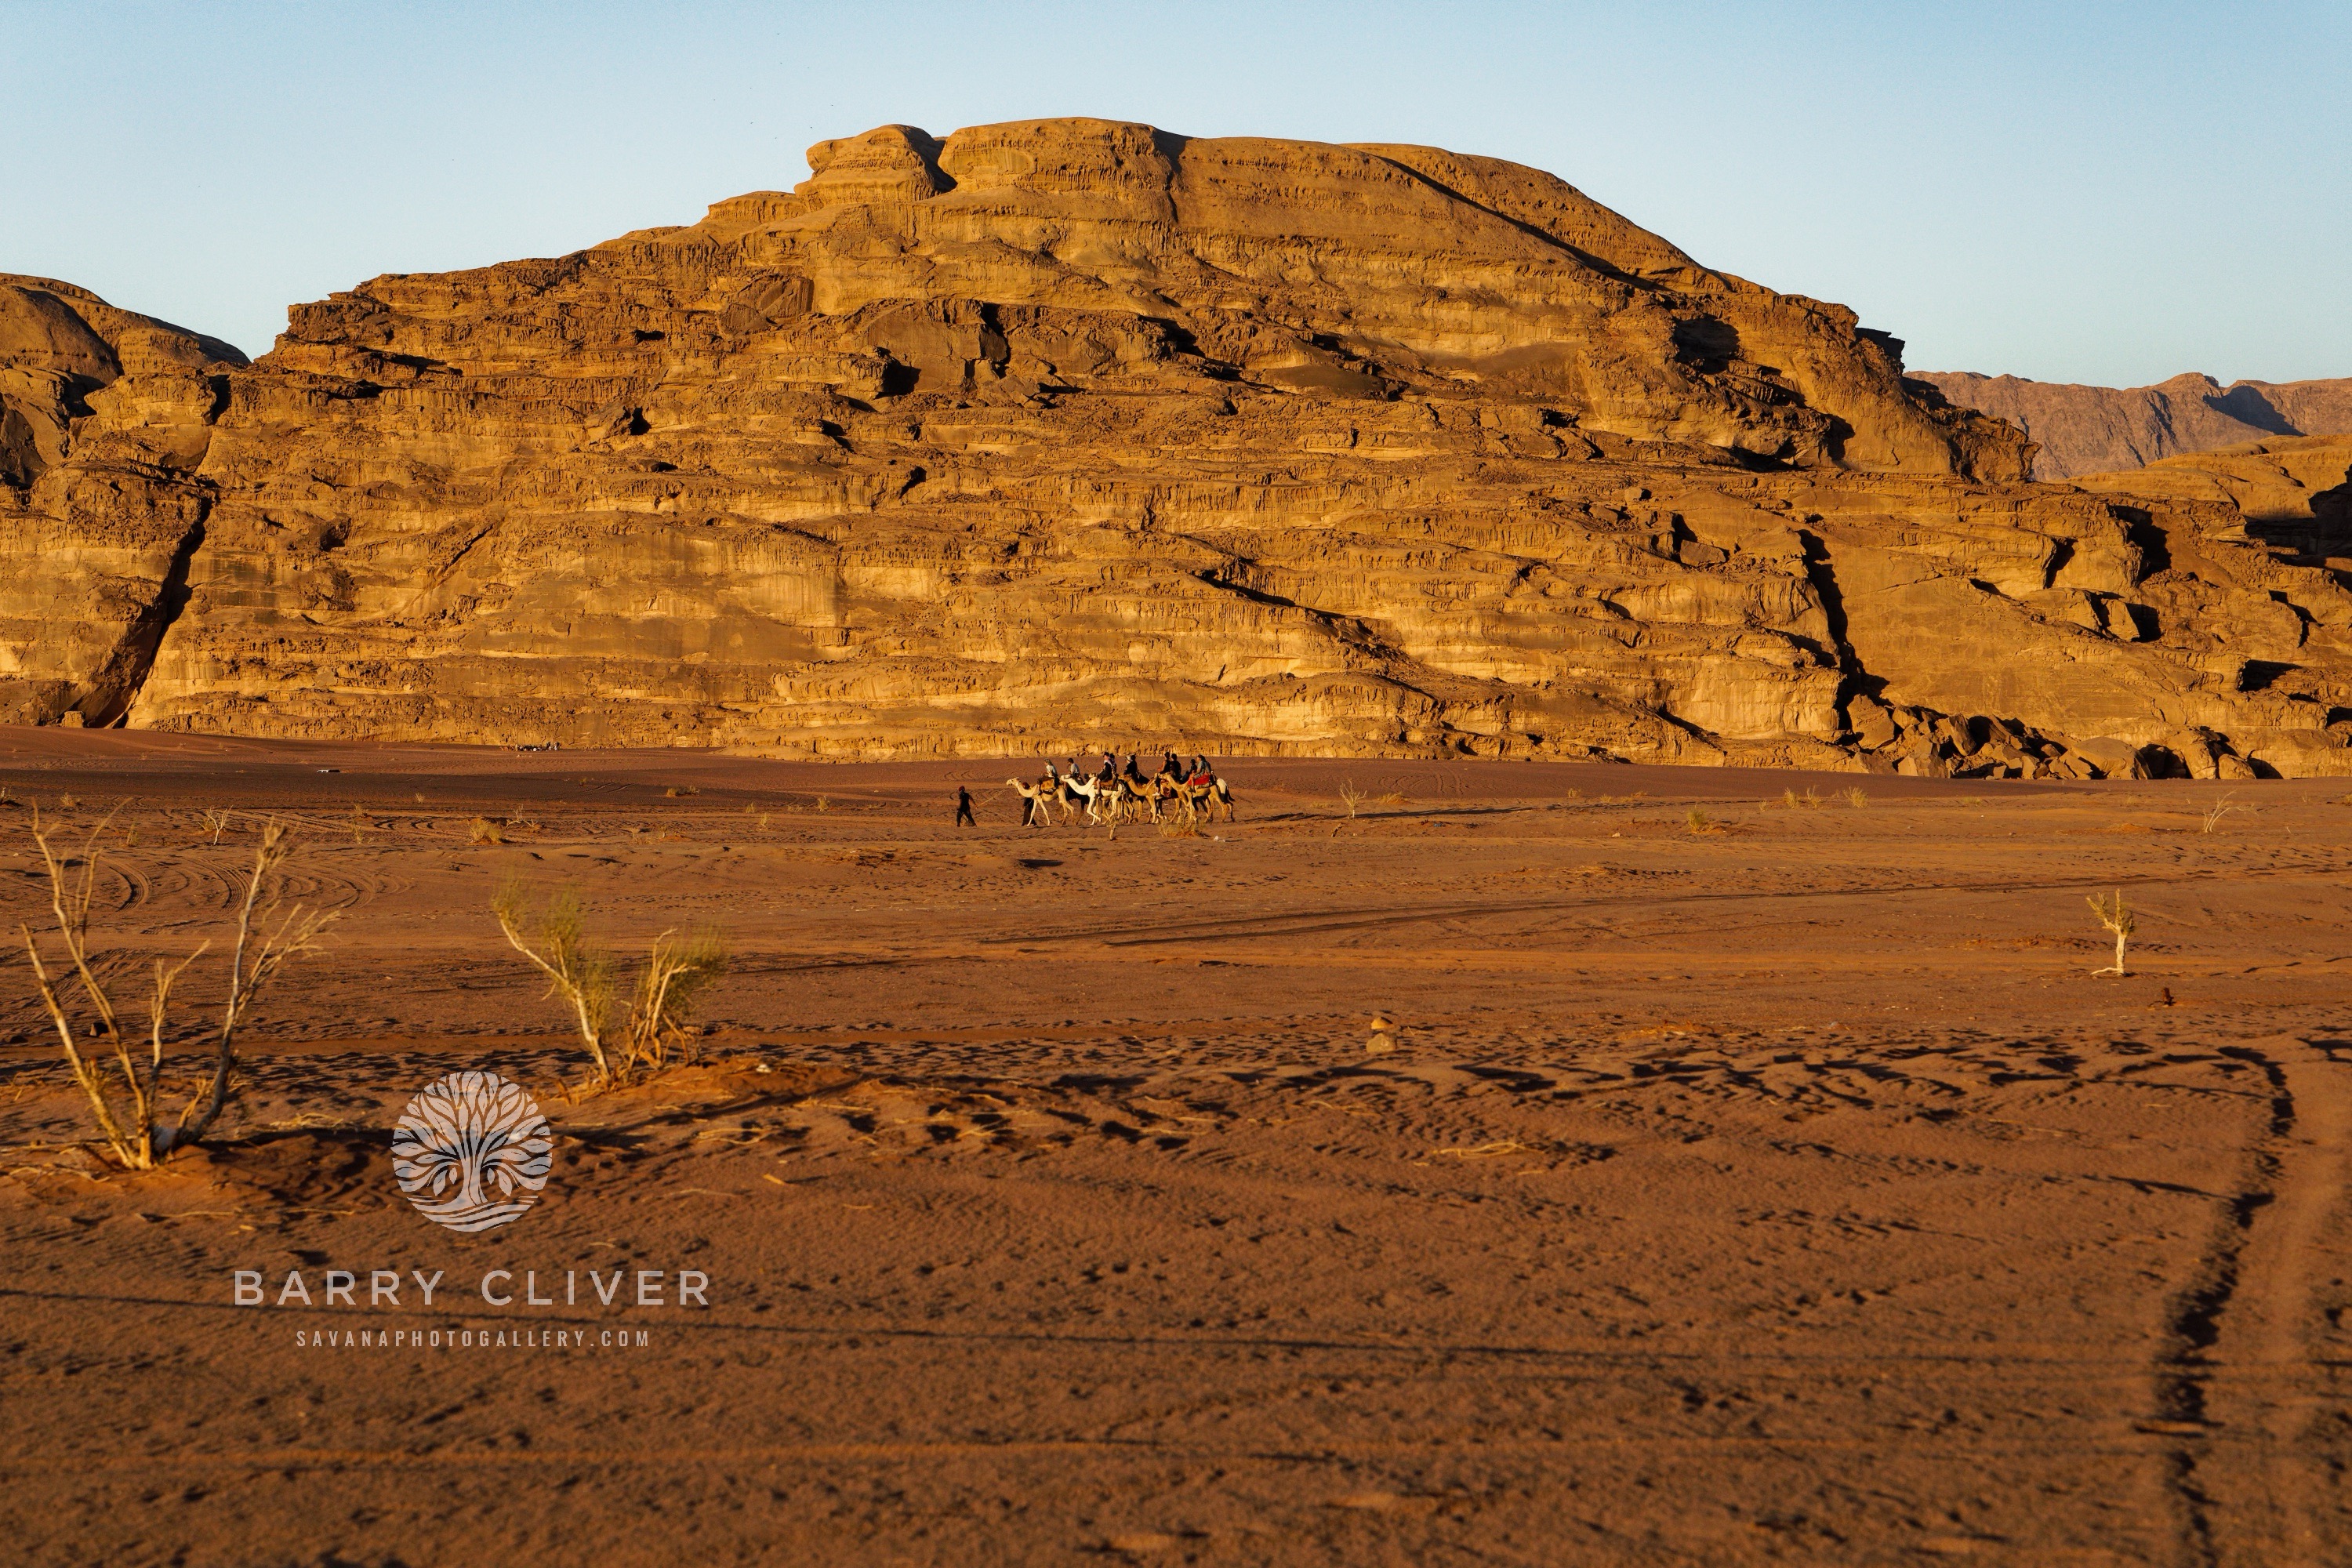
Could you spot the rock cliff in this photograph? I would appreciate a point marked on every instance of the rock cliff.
(1069, 434)
(2294, 492)
(2100, 429)
(96, 548)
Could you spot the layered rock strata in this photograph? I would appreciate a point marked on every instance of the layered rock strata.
(98, 547)
(2295, 491)
(1072, 434)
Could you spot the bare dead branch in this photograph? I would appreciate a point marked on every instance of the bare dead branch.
(127, 1113)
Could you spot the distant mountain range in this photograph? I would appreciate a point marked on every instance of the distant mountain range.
(2101, 429)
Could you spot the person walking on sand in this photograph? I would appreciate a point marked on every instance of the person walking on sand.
(964, 817)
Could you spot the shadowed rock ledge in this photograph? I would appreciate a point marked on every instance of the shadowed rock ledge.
(1074, 433)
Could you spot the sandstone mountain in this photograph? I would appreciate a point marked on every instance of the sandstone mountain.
(2295, 493)
(1069, 434)
(58, 344)
(2100, 429)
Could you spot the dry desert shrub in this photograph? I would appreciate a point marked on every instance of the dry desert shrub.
(1700, 822)
(680, 792)
(482, 830)
(128, 1101)
(1395, 797)
(824, 802)
(1350, 796)
(67, 803)
(652, 1034)
(216, 821)
(2217, 811)
(1185, 828)
(2119, 919)
(1856, 798)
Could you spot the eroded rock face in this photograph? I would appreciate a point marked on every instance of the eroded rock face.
(2294, 485)
(1062, 434)
(2105, 429)
(98, 547)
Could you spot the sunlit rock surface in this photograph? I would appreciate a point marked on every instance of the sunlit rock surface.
(1073, 434)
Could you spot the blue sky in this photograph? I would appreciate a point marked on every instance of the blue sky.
(2110, 193)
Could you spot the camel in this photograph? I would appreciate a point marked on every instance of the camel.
(1152, 791)
(1187, 795)
(1057, 788)
(1109, 799)
(1108, 789)
(1084, 789)
(1202, 795)
(1033, 799)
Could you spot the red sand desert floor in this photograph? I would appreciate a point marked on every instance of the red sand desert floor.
(1781, 1187)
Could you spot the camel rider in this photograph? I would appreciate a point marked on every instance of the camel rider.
(1172, 767)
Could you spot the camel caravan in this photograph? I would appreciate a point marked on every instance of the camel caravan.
(1116, 793)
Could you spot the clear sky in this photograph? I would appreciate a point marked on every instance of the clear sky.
(2102, 192)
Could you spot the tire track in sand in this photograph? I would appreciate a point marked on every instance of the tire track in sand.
(2239, 1390)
